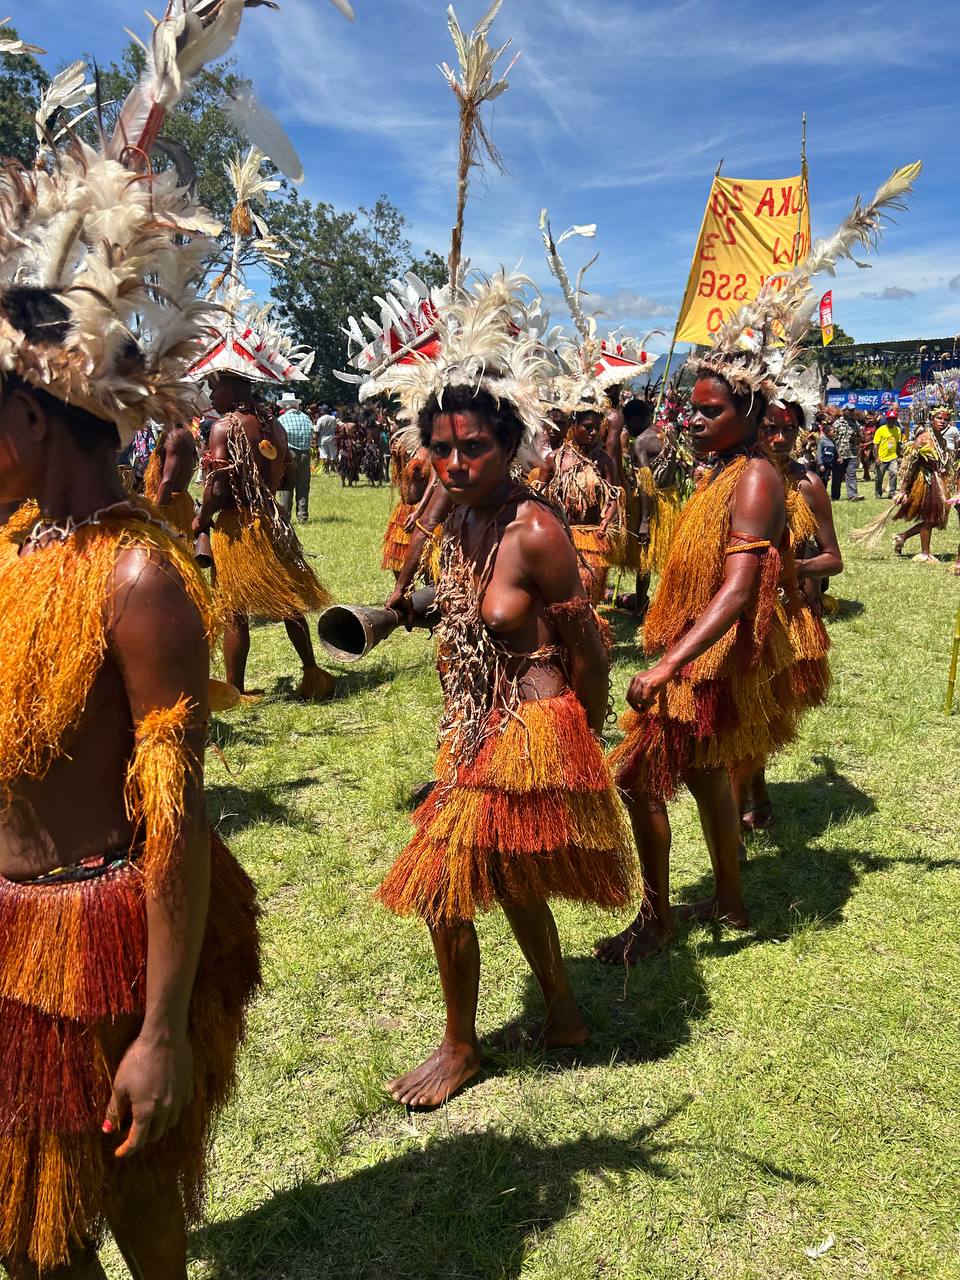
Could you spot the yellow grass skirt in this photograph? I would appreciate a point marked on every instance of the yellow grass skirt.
(261, 572)
(594, 558)
(535, 816)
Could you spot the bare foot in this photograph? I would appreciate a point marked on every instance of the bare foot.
(733, 914)
(645, 937)
(435, 1081)
(558, 1030)
(316, 686)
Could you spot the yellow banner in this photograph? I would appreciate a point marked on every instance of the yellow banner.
(751, 230)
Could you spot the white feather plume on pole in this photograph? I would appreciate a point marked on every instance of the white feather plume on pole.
(19, 46)
(476, 84)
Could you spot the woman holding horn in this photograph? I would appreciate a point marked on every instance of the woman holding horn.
(523, 808)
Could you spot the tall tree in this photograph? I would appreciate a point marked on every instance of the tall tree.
(339, 263)
(22, 80)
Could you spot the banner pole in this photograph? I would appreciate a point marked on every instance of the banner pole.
(676, 327)
(804, 188)
(954, 657)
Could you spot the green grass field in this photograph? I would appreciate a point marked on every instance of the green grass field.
(744, 1098)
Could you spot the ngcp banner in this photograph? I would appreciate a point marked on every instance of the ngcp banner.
(751, 230)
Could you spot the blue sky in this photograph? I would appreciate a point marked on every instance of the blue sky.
(618, 114)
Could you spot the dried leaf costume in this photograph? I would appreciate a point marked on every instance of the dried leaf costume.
(921, 488)
(523, 807)
(741, 699)
(261, 567)
(114, 252)
(579, 490)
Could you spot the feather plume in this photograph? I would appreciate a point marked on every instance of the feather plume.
(759, 349)
(190, 34)
(18, 46)
(65, 92)
(264, 131)
(477, 83)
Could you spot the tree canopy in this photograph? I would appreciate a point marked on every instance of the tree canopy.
(22, 81)
(342, 262)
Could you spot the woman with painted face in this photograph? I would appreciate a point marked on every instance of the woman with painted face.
(523, 809)
(816, 558)
(720, 692)
(581, 479)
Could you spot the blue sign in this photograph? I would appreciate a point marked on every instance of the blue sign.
(863, 400)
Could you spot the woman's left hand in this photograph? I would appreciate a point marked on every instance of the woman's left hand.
(645, 686)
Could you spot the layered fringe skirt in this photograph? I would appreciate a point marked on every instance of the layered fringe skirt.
(396, 540)
(534, 817)
(594, 557)
(261, 570)
(72, 985)
(179, 513)
(926, 503)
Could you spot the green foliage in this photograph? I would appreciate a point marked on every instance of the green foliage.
(339, 263)
(22, 81)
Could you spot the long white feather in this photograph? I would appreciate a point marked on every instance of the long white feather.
(264, 131)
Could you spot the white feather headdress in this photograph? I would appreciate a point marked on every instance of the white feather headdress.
(592, 364)
(759, 350)
(119, 249)
(243, 338)
(489, 338)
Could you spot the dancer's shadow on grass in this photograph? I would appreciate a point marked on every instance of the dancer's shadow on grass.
(787, 884)
(233, 807)
(635, 1014)
(470, 1206)
(846, 610)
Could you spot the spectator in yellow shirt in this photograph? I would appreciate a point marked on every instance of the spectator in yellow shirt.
(886, 451)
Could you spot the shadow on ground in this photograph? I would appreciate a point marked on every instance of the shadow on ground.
(465, 1206)
(234, 807)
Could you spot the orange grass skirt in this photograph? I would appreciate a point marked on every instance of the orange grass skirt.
(72, 981)
(396, 540)
(179, 513)
(717, 724)
(593, 559)
(534, 817)
(260, 575)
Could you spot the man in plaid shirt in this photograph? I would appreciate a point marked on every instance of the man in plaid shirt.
(299, 429)
(846, 437)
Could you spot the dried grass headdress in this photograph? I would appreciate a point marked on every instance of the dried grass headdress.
(759, 350)
(120, 249)
(592, 363)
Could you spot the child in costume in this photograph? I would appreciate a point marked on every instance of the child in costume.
(523, 808)
(728, 684)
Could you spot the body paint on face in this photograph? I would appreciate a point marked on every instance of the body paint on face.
(716, 425)
(469, 461)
